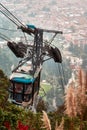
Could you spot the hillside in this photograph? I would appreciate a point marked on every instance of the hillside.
(67, 109)
(68, 16)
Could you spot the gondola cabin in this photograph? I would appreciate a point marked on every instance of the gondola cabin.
(23, 87)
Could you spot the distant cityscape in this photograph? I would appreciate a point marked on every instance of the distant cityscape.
(67, 16)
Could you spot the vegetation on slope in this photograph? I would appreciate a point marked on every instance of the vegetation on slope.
(70, 116)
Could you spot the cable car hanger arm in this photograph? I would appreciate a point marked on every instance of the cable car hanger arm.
(51, 31)
(21, 63)
(27, 30)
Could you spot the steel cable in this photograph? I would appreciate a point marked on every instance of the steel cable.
(6, 11)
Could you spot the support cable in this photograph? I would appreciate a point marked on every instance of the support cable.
(12, 15)
(4, 37)
(61, 78)
(50, 42)
(28, 50)
(25, 38)
(8, 29)
(9, 17)
(63, 73)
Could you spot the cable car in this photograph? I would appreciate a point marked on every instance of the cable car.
(23, 86)
(25, 77)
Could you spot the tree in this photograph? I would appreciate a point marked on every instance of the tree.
(4, 83)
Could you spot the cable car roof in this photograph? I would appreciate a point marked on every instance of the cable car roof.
(23, 80)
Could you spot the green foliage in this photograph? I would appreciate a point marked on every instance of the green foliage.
(13, 114)
(4, 83)
(46, 87)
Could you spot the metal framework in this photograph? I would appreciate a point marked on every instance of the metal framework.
(37, 51)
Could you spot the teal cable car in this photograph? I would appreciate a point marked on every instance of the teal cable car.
(23, 88)
(25, 77)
